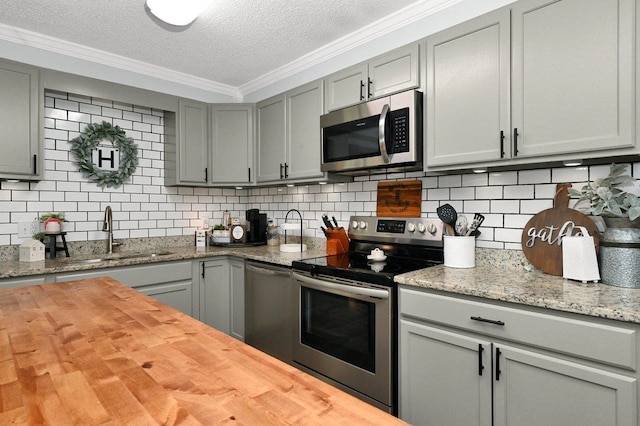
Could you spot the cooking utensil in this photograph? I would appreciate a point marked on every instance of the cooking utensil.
(327, 223)
(461, 225)
(448, 216)
(475, 224)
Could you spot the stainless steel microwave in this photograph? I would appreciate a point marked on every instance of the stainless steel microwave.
(374, 136)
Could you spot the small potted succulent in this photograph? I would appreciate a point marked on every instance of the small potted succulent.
(52, 222)
(606, 197)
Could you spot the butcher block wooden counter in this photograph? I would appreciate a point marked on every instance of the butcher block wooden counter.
(98, 352)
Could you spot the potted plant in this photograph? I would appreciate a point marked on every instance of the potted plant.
(607, 199)
(52, 222)
(620, 210)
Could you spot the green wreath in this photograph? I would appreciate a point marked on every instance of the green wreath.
(87, 141)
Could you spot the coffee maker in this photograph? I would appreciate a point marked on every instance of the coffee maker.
(257, 226)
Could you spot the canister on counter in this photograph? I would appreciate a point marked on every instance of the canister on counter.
(273, 234)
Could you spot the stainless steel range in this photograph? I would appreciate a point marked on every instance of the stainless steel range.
(346, 305)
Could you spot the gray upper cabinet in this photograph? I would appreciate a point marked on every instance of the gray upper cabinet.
(538, 81)
(209, 144)
(193, 144)
(391, 72)
(304, 107)
(467, 95)
(271, 139)
(21, 121)
(232, 137)
(289, 145)
(573, 79)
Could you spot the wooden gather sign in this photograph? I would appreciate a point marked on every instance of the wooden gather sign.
(542, 235)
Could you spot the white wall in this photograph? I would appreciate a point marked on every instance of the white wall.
(144, 207)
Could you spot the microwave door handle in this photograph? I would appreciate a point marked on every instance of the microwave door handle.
(382, 133)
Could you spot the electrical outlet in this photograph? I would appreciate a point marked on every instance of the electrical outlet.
(27, 229)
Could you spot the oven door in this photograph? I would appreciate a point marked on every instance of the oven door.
(344, 332)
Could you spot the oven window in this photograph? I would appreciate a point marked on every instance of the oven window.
(340, 326)
(356, 139)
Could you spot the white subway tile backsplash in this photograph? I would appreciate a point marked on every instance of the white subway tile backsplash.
(144, 207)
(569, 174)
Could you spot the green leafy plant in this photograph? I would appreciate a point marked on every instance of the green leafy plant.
(218, 227)
(606, 198)
(53, 215)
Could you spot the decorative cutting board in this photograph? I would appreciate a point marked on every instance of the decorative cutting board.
(542, 235)
(399, 198)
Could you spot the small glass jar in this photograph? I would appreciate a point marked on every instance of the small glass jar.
(273, 235)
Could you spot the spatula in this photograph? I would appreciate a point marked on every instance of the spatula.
(475, 224)
(448, 216)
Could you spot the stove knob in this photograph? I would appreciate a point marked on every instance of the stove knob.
(355, 224)
(411, 227)
(433, 229)
(421, 228)
(363, 224)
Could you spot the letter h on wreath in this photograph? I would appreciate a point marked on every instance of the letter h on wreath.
(106, 158)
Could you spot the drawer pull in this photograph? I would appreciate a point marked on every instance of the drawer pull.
(487, 320)
(498, 353)
(480, 366)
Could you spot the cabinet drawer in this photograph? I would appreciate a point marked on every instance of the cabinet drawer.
(590, 340)
(137, 276)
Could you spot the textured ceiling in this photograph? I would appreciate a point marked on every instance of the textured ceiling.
(232, 43)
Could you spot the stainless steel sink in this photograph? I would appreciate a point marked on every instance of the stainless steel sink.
(116, 257)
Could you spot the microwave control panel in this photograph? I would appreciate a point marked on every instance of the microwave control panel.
(400, 119)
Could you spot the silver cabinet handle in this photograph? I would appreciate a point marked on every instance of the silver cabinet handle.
(265, 271)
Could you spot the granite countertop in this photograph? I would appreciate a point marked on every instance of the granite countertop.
(271, 254)
(531, 288)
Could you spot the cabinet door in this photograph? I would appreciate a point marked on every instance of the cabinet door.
(304, 107)
(271, 139)
(394, 72)
(21, 115)
(177, 295)
(193, 143)
(444, 378)
(236, 278)
(558, 392)
(572, 75)
(346, 87)
(231, 143)
(467, 99)
(215, 296)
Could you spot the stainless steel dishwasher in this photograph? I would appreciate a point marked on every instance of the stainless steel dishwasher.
(268, 310)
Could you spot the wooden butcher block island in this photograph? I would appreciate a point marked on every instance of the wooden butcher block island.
(98, 352)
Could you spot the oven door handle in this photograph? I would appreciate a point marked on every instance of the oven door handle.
(355, 290)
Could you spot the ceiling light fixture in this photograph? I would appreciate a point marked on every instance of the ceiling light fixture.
(179, 13)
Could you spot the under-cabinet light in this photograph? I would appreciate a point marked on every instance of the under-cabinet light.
(572, 163)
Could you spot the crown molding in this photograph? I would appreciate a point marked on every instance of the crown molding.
(393, 22)
(78, 51)
(376, 30)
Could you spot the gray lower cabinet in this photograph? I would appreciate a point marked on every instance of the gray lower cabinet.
(222, 295)
(22, 282)
(468, 362)
(170, 282)
(21, 121)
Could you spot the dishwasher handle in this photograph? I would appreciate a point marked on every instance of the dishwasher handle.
(356, 290)
(265, 271)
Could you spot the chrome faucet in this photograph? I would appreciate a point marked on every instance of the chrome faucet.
(107, 226)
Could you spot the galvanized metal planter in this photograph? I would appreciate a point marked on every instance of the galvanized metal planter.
(620, 253)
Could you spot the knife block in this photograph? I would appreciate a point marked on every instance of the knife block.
(337, 241)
